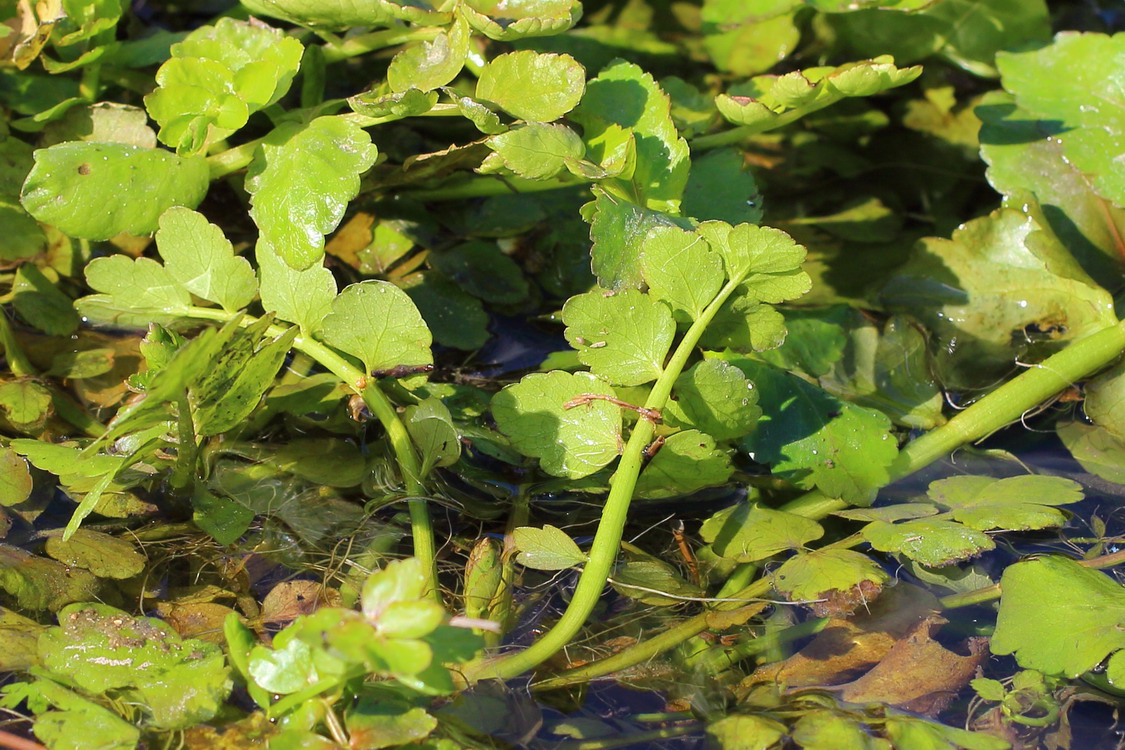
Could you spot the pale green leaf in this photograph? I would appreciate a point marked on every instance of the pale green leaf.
(377, 323)
(618, 229)
(431, 64)
(827, 730)
(623, 337)
(141, 284)
(329, 15)
(301, 181)
(746, 732)
(572, 442)
(71, 184)
(534, 150)
(766, 260)
(811, 575)
(103, 555)
(1018, 503)
(928, 541)
(301, 297)
(508, 20)
(748, 532)
(25, 404)
(686, 462)
(409, 103)
(681, 268)
(532, 86)
(1058, 617)
(548, 548)
(715, 397)
(198, 256)
(15, 478)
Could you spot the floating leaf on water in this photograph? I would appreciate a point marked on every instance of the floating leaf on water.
(380, 724)
(928, 541)
(746, 732)
(833, 581)
(1018, 503)
(747, 533)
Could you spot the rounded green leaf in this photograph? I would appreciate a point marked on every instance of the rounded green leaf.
(95, 191)
(301, 182)
(928, 541)
(103, 555)
(681, 269)
(687, 462)
(533, 86)
(715, 397)
(570, 443)
(377, 323)
(623, 337)
(15, 478)
(430, 65)
(301, 297)
(535, 150)
(809, 576)
(747, 533)
(141, 284)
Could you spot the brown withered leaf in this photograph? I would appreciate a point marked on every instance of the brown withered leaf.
(845, 648)
(289, 599)
(202, 620)
(918, 673)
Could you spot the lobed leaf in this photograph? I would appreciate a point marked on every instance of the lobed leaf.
(623, 337)
(748, 532)
(811, 575)
(932, 542)
(376, 322)
(198, 256)
(301, 297)
(535, 150)
(301, 181)
(680, 268)
(571, 443)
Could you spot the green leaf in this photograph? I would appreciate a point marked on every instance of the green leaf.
(618, 229)
(929, 541)
(967, 32)
(1074, 82)
(217, 77)
(377, 323)
(431, 427)
(36, 583)
(481, 269)
(101, 554)
(766, 260)
(532, 86)
(1058, 617)
(812, 439)
(973, 293)
(742, 324)
(141, 284)
(769, 102)
(748, 532)
(812, 575)
(720, 188)
(15, 478)
(687, 462)
(400, 581)
(40, 302)
(301, 181)
(746, 732)
(548, 548)
(650, 580)
(332, 462)
(198, 256)
(409, 103)
(430, 65)
(70, 182)
(814, 343)
(827, 730)
(919, 734)
(750, 47)
(681, 268)
(510, 20)
(377, 724)
(622, 337)
(1017, 503)
(535, 150)
(284, 669)
(716, 398)
(224, 519)
(625, 96)
(301, 297)
(571, 443)
(1024, 152)
(25, 404)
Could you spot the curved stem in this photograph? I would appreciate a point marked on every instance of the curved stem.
(1004, 405)
(607, 539)
(380, 406)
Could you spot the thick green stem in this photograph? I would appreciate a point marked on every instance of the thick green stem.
(607, 539)
(1001, 407)
(377, 402)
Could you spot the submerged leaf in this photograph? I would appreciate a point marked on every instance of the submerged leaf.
(548, 548)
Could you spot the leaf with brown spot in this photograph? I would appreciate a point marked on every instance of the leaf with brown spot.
(290, 599)
(202, 620)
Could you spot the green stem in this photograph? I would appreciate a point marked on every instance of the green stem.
(486, 186)
(607, 539)
(718, 659)
(1001, 407)
(741, 133)
(377, 40)
(188, 448)
(502, 610)
(377, 402)
(18, 362)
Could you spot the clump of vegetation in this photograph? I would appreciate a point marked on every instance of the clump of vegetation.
(361, 357)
